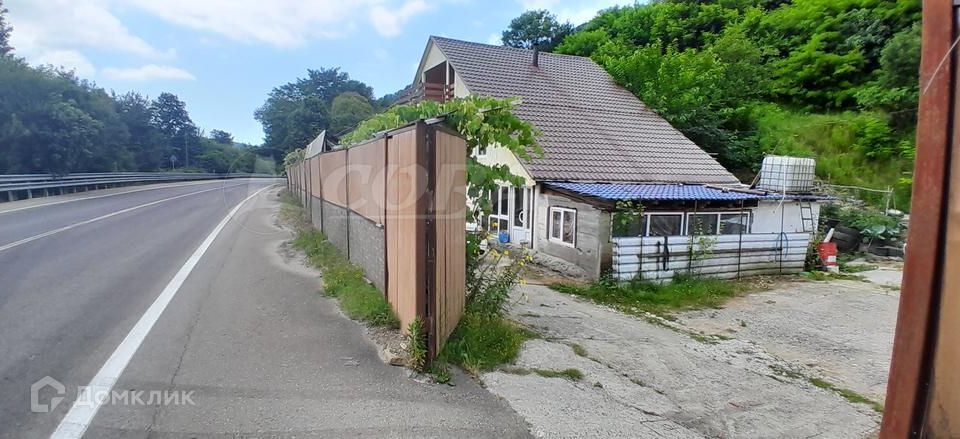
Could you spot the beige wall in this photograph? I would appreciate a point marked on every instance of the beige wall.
(497, 155)
(433, 57)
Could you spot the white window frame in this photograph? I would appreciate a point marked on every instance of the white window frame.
(503, 212)
(680, 213)
(718, 213)
(564, 211)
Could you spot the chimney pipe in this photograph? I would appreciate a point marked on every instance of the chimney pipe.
(536, 55)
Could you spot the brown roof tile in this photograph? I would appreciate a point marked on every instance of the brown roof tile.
(593, 129)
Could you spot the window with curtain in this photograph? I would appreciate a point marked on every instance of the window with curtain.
(665, 224)
(563, 225)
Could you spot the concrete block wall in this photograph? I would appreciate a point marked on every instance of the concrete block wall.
(335, 225)
(592, 250)
(315, 213)
(367, 241)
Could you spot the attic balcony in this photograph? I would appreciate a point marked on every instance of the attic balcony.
(428, 91)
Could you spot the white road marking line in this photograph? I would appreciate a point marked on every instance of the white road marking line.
(75, 423)
(167, 186)
(103, 217)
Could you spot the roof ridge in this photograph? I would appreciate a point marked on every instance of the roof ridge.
(542, 53)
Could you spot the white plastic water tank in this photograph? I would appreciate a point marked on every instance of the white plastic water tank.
(786, 174)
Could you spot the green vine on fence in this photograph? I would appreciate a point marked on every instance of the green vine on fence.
(482, 121)
(625, 215)
(293, 157)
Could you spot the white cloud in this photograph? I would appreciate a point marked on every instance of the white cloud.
(280, 23)
(389, 21)
(67, 59)
(149, 72)
(496, 39)
(51, 25)
(46, 27)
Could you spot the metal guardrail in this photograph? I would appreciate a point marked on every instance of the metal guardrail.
(19, 186)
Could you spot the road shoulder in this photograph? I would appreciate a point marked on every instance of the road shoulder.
(263, 353)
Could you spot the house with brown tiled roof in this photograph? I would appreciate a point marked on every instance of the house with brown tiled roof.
(603, 146)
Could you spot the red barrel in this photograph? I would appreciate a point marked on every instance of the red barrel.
(828, 254)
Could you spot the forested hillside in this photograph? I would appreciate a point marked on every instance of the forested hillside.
(832, 79)
(51, 121)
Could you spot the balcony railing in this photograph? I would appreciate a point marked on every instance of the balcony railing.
(428, 91)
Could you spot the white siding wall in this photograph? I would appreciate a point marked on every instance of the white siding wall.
(658, 257)
(767, 216)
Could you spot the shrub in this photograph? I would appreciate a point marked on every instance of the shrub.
(491, 278)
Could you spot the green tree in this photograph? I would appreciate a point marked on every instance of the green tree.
(148, 146)
(705, 94)
(50, 121)
(170, 117)
(536, 28)
(221, 137)
(305, 121)
(5, 31)
(896, 88)
(218, 157)
(825, 50)
(583, 43)
(296, 112)
(347, 110)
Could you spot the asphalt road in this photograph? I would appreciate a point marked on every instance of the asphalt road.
(244, 345)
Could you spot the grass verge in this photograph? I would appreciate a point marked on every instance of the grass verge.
(570, 374)
(358, 299)
(660, 299)
(482, 342)
(825, 276)
(848, 394)
(856, 268)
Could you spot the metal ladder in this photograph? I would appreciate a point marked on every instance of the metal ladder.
(806, 216)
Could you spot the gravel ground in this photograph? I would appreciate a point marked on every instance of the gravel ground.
(650, 378)
(840, 331)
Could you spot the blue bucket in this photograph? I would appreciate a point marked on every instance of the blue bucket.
(504, 237)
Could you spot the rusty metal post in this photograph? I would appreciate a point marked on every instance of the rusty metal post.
(919, 300)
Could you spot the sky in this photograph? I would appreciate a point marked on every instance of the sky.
(222, 57)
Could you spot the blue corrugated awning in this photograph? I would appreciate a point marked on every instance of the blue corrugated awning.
(666, 192)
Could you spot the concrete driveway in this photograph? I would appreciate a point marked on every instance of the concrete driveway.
(840, 331)
(653, 378)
